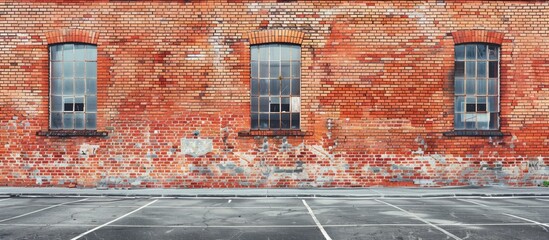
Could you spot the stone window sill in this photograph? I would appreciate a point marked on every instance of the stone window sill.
(72, 133)
(475, 133)
(251, 133)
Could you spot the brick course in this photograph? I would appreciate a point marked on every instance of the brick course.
(376, 94)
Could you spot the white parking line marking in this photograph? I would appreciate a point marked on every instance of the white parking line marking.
(1, 200)
(473, 202)
(528, 220)
(545, 200)
(421, 219)
(270, 226)
(40, 210)
(123, 216)
(316, 221)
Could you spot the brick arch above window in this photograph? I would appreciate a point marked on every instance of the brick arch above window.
(72, 35)
(484, 36)
(276, 36)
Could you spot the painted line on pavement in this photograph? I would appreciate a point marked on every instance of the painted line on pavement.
(528, 220)
(269, 226)
(545, 200)
(103, 225)
(40, 210)
(423, 220)
(316, 221)
(1, 200)
(473, 202)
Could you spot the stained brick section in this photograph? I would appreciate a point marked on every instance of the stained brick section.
(376, 94)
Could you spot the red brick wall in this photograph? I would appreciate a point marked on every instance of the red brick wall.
(377, 94)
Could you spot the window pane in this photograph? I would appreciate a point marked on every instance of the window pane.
(493, 105)
(255, 121)
(296, 52)
(68, 104)
(458, 121)
(470, 121)
(285, 89)
(493, 69)
(275, 87)
(481, 86)
(481, 104)
(285, 120)
(285, 105)
(91, 53)
(68, 120)
(79, 121)
(296, 104)
(275, 120)
(493, 52)
(481, 69)
(285, 69)
(295, 121)
(460, 104)
(91, 86)
(296, 69)
(56, 103)
(264, 104)
(68, 52)
(263, 121)
(68, 69)
(481, 52)
(285, 53)
(79, 104)
(253, 71)
(470, 52)
(492, 86)
(79, 52)
(255, 87)
(470, 68)
(459, 69)
(255, 104)
(264, 52)
(56, 120)
(90, 121)
(483, 120)
(264, 69)
(275, 53)
(494, 121)
(56, 86)
(275, 70)
(91, 69)
(56, 52)
(80, 70)
(56, 69)
(254, 53)
(79, 86)
(470, 86)
(91, 104)
(275, 104)
(470, 107)
(459, 52)
(459, 85)
(295, 87)
(68, 88)
(471, 101)
(264, 86)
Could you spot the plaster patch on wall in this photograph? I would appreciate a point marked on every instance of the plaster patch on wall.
(196, 147)
(87, 150)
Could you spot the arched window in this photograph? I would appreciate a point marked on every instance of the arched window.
(275, 86)
(476, 86)
(73, 86)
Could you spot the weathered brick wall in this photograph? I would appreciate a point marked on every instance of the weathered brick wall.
(377, 94)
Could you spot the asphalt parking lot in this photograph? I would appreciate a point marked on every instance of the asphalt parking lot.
(274, 218)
